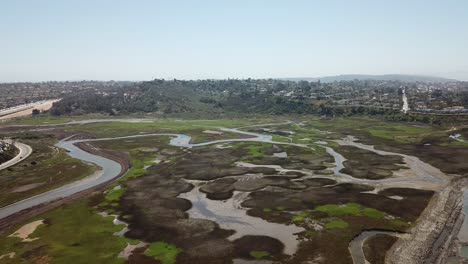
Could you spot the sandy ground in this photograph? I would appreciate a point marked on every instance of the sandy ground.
(25, 231)
(130, 248)
(9, 255)
(26, 187)
(213, 132)
(43, 106)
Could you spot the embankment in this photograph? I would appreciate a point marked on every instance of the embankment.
(24, 215)
(430, 238)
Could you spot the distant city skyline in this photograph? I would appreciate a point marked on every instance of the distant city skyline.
(141, 40)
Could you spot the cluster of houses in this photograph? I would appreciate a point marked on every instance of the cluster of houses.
(14, 94)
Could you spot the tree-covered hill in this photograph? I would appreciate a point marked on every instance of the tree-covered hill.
(176, 96)
(212, 98)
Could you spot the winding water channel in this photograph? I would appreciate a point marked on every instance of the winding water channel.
(109, 168)
(229, 214)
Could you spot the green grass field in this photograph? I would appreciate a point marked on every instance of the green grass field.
(162, 251)
(349, 209)
(259, 254)
(74, 233)
(336, 224)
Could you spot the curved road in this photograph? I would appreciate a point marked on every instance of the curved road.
(24, 152)
(356, 245)
(110, 170)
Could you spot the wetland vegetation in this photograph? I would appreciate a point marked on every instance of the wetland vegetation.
(170, 206)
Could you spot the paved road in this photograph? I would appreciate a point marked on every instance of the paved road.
(26, 110)
(110, 169)
(405, 107)
(24, 152)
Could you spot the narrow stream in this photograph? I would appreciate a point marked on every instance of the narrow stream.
(418, 171)
(339, 161)
(229, 214)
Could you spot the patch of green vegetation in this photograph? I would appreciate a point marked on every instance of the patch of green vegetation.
(340, 209)
(278, 138)
(137, 169)
(267, 210)
(453, 142)
(399, 132)
(349, 209)
(73, 233)
(300, 217)
(114, 195)
(296, 200)
(373, 213)
(259, 254)
(399, 223)
(336, 224)
(254, 151)
(191, 127)
(162, 251)
(311, 233)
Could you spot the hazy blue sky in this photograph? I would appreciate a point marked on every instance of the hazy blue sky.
(141, 40)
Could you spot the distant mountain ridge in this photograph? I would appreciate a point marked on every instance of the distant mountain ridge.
(383, 77)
